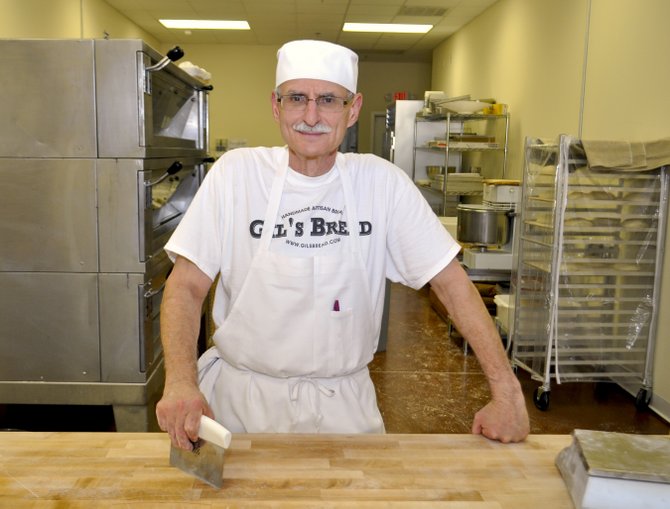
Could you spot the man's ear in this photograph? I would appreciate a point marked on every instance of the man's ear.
(355, 110)
(275, 106)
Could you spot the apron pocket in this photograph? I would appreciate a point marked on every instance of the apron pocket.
(342, 352)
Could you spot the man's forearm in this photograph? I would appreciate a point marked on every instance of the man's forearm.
(185, 291)
(505, 417)
(466, 309)
(180, 323)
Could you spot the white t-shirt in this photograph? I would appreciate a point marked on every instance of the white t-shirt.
(401, 238)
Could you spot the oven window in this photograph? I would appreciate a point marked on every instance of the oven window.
(175, 108)
(171, 197)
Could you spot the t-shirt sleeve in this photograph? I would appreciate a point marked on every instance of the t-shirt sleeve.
(418, 245)
(198, 236)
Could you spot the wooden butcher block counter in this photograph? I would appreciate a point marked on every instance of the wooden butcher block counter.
(88, 470)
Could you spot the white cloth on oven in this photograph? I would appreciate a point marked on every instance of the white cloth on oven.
(196, 71)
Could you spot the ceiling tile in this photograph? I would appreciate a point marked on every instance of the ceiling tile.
(446, 4)
(277, 21)
(396, 3)
(371, 13)
(323, 7)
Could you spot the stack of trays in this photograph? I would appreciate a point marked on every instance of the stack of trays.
(465, 183)
(437, 182)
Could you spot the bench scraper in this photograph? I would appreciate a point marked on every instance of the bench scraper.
(205, 461)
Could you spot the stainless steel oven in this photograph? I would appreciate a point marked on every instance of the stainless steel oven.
(83, 330)
(168, 106)
(97, 98)
(102, 148)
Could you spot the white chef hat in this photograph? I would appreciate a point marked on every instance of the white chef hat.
(319, 60)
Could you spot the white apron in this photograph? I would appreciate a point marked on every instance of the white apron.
(292, 354)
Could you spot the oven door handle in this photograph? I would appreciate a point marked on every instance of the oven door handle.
(172, 56)
(175, 167)
(153, 292)
(146, 317)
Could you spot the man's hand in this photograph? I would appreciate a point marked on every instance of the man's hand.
(504, 419)
(179, 413)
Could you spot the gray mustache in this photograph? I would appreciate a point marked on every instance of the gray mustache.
(302, 127)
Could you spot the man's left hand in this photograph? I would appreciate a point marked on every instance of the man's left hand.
(505, 420)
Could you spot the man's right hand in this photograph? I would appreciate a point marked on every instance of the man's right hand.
(179, 412)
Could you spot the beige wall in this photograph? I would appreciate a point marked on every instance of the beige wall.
(527, 54)
(57, 19)
(378, 80)
(65, 19)
(628, 70)
(535, 55)
(100, 20)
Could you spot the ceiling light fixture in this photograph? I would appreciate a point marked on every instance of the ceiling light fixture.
(395, 28)
(205, 24)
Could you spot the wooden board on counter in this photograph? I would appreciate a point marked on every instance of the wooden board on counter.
(83, 470)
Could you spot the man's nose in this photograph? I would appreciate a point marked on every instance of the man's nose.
(311, 112)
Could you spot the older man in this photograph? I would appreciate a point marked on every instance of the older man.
(302, 239)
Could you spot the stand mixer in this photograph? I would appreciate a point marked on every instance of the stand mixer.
(487, 231)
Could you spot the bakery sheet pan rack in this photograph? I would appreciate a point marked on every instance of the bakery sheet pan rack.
(587, 270)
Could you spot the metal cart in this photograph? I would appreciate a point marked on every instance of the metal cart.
(587, 270)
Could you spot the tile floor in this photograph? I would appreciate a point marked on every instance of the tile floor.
(425, 383)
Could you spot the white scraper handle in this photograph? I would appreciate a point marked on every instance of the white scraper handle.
(214, 432)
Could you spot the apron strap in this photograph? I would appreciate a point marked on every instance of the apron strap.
(281, 169)
(295, 391)
(352, 215)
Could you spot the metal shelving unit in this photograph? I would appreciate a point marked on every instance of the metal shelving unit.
(587, 270)
(462, 142)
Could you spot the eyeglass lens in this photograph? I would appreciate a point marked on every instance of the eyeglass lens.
(328, 103)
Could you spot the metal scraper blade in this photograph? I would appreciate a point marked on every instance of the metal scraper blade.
(204, 462)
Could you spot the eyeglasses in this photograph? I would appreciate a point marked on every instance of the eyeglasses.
(324, 103)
